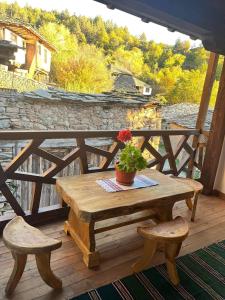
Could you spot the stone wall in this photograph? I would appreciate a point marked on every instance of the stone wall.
(32, 111)
(11, 80)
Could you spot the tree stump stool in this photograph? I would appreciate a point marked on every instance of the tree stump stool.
(23, 239)
(171, 234)
(197, 187)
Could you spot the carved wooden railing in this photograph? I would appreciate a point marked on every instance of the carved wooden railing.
(165, 160)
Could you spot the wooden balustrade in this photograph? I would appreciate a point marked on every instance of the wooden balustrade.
(172, 144)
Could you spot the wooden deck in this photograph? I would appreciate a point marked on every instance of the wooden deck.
(119, 249)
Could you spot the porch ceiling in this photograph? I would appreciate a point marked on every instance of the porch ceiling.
(202, 19)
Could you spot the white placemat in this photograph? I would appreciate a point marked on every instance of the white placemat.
(140, 181)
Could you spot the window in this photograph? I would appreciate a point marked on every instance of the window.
(147, 91)
(45, 56)
(13, 37)
(1, 34)
(39, 49)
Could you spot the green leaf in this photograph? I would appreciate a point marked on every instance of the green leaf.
(131, 159)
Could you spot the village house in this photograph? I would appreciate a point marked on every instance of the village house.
(33, 56)
(125, 81)
(183, 116)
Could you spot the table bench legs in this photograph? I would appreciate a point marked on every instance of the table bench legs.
(84, 237)
(164, 213)
(19, 266)
(43, 264)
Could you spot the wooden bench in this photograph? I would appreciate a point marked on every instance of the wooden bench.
(197, 187)
(23, 239)
(171, 234)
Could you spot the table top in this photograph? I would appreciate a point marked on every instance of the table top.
(91, 202)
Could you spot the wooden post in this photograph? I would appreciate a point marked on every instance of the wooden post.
(216, 138)
(204, 104)
(206, 93)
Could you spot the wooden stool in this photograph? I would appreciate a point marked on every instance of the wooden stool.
(171, 234)
(197, 187)
(23, 239)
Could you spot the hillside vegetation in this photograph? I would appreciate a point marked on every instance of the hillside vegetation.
(87, 47)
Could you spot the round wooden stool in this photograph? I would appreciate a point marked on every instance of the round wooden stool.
(23, 239)
(171, 234)
(197, 187)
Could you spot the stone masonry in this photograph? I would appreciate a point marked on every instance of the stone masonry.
(49, 110)
(12, 80)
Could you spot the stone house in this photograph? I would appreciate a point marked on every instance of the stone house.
(33, 56)
(125, 81)
(183, 116)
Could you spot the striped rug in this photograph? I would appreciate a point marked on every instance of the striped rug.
(202, 276)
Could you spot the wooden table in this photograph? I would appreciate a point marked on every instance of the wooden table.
(90, 203)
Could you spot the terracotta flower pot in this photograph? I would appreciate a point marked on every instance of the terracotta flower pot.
(124, 178)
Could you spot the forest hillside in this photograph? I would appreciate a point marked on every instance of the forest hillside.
(87, 47)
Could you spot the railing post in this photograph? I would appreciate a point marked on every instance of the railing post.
(83, 155)
(36, 197)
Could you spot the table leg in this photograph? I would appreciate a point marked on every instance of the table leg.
(189, 203)
(165, 213)
(83, 235)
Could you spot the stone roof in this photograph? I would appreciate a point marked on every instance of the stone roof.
(185, 115)
(140, 83)
(125, 81)
(53, 94)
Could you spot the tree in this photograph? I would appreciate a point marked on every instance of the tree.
(85, 44)
(188, 88)
(132, 60)
(59, 36)
(101, 35)
(153, 54)
(181, 47)
(174, 60)
(196, 58)
(219, 67)
(84, 72)
(167, 79)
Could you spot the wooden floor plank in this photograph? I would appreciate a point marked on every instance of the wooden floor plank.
(119, 248)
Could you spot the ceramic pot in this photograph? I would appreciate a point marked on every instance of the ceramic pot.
(124, 178)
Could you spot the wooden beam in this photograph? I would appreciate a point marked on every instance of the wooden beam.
(216, 139)
(207, 90)
(65, 134)
(206, 94)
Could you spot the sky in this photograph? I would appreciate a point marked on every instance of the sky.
(92, 9)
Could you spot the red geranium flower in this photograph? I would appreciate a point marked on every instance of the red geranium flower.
(124, 135)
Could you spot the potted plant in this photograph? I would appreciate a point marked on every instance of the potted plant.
(130, 159)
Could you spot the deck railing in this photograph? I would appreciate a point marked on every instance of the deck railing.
(170, 151)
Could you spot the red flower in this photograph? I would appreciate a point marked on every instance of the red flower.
(124, 135)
